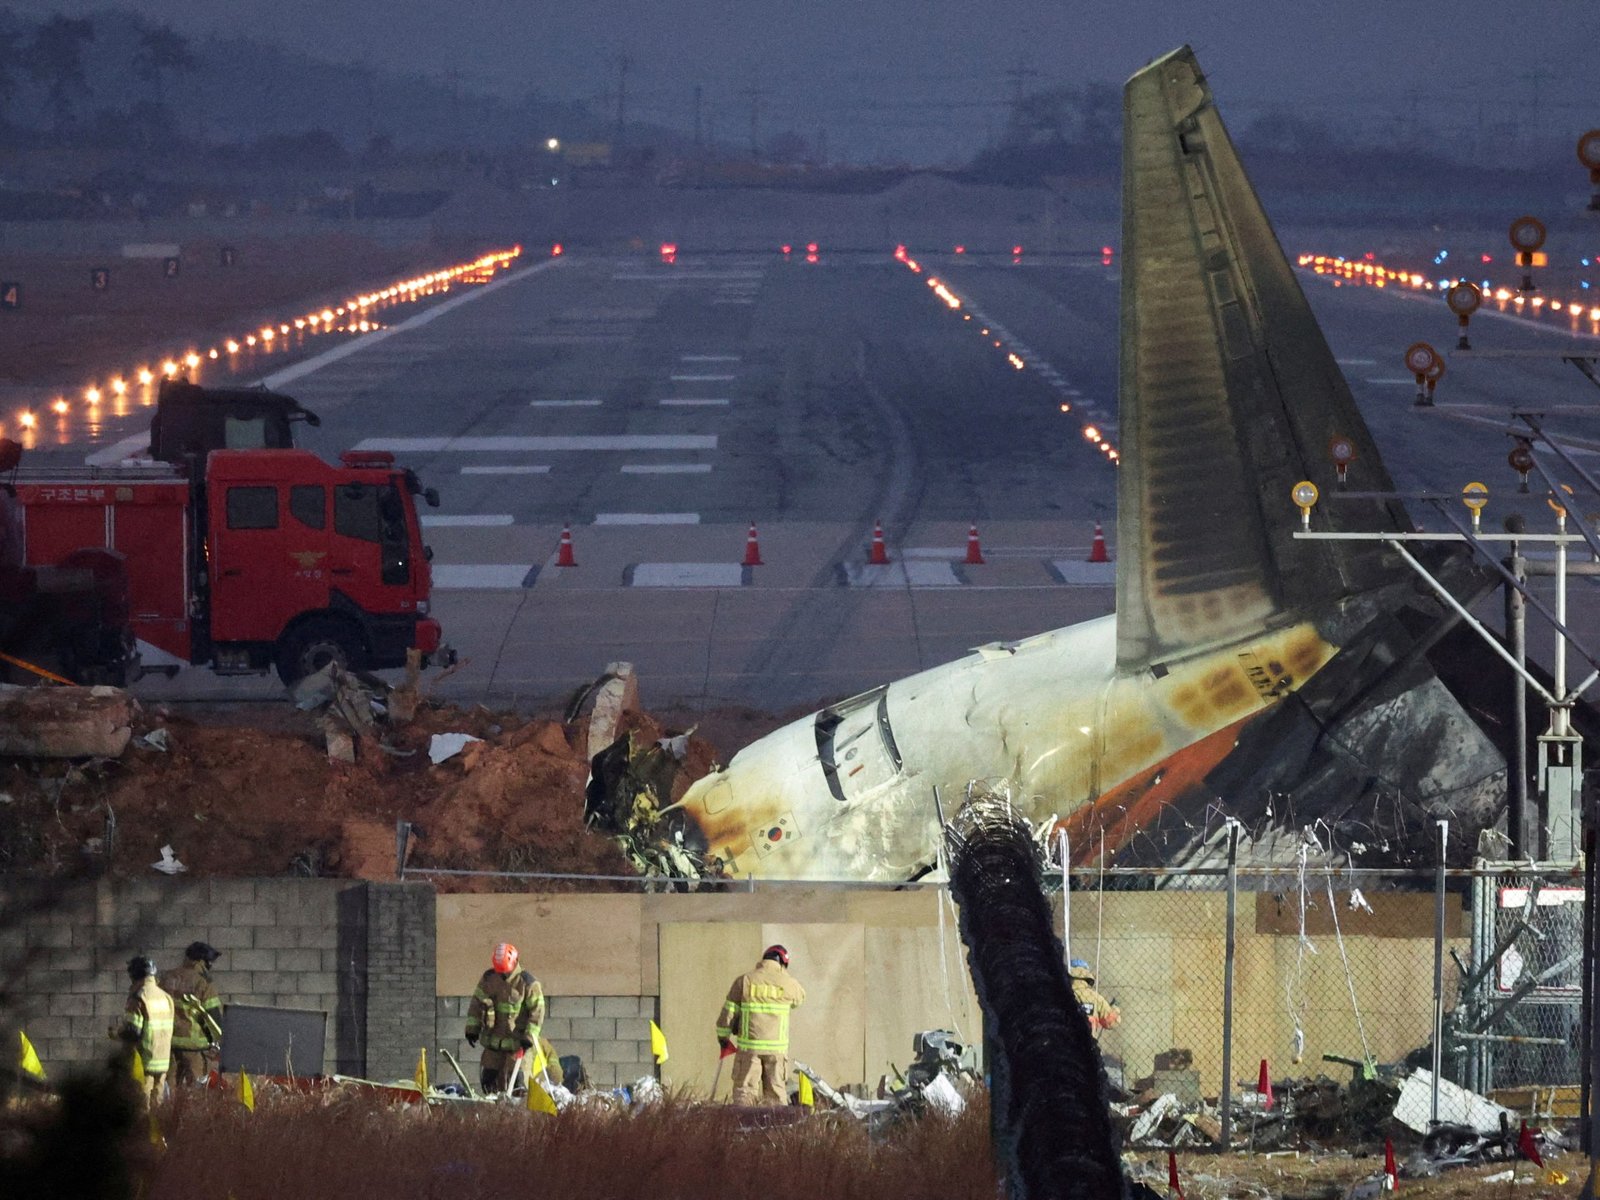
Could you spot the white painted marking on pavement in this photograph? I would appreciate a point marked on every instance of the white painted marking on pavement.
(463, 521)
(686, 575)
(1077, 573)
(317, 362)
(565, 403)
(601, 442)
(1391, 379)
(709, 358)
(682, 402)
(702, 378)
(624, 518)
(666, 468)
(506, 469)
(1356, 362)
(478, 576)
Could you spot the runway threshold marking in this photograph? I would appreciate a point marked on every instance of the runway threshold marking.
(452, 577)
(686, 575)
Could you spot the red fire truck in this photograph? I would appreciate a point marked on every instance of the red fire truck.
(256, 559)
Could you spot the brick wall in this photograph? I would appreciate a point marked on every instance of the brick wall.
(362, 953)
(610, 1033)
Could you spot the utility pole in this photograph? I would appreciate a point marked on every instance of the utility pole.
(754, 95)
(624, 65)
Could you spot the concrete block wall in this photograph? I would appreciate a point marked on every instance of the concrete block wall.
(286, 943)
(610, 1033)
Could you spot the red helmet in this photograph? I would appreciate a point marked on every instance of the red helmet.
(778, 954)
(505, 958)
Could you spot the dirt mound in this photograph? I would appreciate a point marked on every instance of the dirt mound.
(251, 790)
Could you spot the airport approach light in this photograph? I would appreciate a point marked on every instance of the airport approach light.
(1527, 237)
(1589, 156)
(1463, 299)
(1305, 495)
(1475, 496)
(1343, 452)
(1521, 460)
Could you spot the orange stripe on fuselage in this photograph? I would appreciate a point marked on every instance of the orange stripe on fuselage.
(1136, 802)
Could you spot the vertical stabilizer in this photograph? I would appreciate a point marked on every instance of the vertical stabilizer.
(1229, 395)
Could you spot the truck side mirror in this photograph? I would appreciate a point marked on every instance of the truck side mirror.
(431, 495)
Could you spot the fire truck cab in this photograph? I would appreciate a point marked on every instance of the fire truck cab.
(270, 558)
(306, 562)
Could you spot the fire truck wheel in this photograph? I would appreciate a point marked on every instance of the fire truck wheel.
(312, 645)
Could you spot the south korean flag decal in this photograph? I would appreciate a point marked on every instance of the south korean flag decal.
(776, 836)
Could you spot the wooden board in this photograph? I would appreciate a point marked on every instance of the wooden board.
(909, 989)
(574, 945)
(698, 962)
(828, 1033)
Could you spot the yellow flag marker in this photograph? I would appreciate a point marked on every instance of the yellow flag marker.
(421, 1076)
(807, 1097)
(658, 1043)
(538, 1062)
(538, 1099)
(28, 1058)
(245, 1092)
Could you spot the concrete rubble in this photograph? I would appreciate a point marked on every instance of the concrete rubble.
(65, 722)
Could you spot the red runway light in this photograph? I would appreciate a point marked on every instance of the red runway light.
(557, 250)
(961, 249)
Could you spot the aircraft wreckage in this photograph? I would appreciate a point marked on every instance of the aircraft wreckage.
(1244, 674)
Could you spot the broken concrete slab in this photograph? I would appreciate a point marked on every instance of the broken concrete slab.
(65, 722)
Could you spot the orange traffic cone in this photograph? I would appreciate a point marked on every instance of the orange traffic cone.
(974, 550)
(1391, 1173)
(1097, 551)
(564, 552)
(752, 548)
(1264, 1080)
(880, 553)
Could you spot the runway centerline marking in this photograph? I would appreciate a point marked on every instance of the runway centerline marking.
(479, 519)
(600, 442)
(507, 469)
(638, 518)
(702, 378)
(710, 358)
(681, 402)
(565, 403)
(666, 468)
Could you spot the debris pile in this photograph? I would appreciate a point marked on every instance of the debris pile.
(311, 788)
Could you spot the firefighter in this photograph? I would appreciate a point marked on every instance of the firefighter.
(197, 1027)
(147, 1024)
(1097, 1010)
(755, 1022)
(507, 1010)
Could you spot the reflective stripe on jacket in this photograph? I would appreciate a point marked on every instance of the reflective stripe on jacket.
(191, 979)
(756, 1012)
(505, 1009)
(149, 1016)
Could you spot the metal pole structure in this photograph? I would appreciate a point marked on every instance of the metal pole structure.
(1066, 900)
(1524, 838)
(1587, 1040)
(1438, 974)
(1227, 986)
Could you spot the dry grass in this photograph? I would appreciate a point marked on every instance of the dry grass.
(348, 1147)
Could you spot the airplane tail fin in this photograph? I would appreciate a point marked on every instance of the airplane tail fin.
(1229, 395)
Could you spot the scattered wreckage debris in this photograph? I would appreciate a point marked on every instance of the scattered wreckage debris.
(315, 787)
(942, 1073)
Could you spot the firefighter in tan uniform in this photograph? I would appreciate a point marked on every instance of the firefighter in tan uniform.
(147, 1025)
(197, 1028)
(755, 1021)
(1097, 1010)
(506, 1012)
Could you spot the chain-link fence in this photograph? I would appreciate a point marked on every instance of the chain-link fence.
(1334, 973)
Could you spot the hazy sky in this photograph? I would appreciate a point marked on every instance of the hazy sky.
(921, 71)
